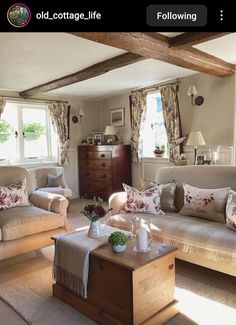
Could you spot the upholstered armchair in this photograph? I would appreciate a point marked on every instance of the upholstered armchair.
(28, 217)
(50, 179)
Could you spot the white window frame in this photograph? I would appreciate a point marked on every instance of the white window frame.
(22, 160)
(151, 156)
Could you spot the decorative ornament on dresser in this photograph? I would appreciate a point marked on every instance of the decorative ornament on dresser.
(94, 212)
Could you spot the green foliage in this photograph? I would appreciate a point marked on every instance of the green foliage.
(5, 129)
(117, 238)
(159, 149)
(33, 130)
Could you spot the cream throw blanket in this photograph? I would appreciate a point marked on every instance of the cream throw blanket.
(71, 260)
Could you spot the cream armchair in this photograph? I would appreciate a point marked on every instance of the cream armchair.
(27, 228)
(57, 183)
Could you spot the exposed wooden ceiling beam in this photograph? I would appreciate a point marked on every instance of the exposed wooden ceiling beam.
(88, 73)
(193, 38)
(156, 46)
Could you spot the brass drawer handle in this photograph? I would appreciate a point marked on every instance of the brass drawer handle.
(171, 266)
(102, 155)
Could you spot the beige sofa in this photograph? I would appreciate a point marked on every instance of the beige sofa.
(27, 228)
(200, 241)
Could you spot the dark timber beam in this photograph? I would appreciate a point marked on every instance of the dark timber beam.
(156, 46)
(194, 38)
(88, 73)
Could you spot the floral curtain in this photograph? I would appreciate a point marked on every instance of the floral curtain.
(170, 104)
(2, 105)
(59, 114)
(138, 108)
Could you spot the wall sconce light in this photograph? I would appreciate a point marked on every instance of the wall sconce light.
(78, 119)
(198, 100)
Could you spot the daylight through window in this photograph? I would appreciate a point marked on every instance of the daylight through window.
(26, 134)
(154, 132)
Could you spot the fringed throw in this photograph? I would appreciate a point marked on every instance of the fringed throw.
(71, 260)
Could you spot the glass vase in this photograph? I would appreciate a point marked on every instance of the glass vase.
(141, 234)
(94, 229)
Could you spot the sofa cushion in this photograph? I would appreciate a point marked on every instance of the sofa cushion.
(204, 238)
(66, 192)
(22, 221)
(205, 203)
(138, 201)
(231, 211)
(55, 180)
(14, 195)
(167, 193)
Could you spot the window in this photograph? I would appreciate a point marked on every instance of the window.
(26, 133)
(154, 132)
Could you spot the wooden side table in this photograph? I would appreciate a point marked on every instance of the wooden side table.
(127, 288)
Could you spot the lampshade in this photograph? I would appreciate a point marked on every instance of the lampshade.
(195, 139)
(192, 90)
(110, 130)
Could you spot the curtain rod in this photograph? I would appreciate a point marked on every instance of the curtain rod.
(156, 86)
(32, 99)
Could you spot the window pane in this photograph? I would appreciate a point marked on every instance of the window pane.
(9, 148)
(154, 132)
(34, 130)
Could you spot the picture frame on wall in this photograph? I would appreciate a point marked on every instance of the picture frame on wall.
(117, 117)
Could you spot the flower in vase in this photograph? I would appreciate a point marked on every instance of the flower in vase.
(94, 212)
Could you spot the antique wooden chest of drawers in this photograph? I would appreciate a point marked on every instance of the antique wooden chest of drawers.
(103, 169)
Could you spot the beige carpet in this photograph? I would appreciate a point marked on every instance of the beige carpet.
(200, 302)
(205, 297)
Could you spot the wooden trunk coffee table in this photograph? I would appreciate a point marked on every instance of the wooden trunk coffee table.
(127, 288)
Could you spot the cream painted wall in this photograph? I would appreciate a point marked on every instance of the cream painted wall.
(215, 117)
(105, 106)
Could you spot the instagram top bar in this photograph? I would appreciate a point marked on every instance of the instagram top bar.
(115, 17)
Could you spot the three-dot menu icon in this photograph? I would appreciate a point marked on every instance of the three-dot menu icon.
(221, 14)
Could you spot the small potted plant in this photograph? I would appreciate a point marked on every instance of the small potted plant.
(118, 241)
(159, 151)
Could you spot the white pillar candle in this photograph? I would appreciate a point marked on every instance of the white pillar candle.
(141, 239)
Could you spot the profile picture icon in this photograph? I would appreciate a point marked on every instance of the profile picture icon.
(19, 15)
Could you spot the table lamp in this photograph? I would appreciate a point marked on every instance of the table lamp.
(195, 139)
(110, 134)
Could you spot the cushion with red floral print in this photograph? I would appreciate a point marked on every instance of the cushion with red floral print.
(14, 195)
(146, 202)
(205, 203)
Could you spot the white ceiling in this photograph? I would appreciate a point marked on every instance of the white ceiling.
(30, 59)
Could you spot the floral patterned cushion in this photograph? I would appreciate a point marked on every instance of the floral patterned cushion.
(231, 210)
(14, 195)
(205, 203)
(167, 193)
(146, 202)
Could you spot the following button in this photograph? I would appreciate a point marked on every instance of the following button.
(176, 15)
